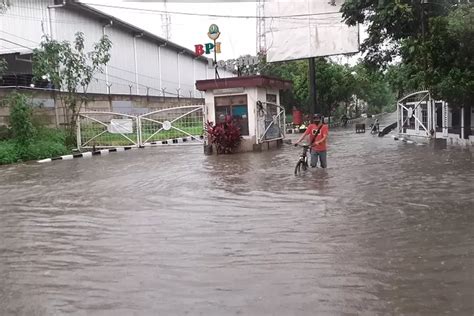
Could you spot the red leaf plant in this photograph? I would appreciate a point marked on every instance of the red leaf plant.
(225, 136)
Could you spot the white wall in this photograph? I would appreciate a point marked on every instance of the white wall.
(27, 19)
(23, 24)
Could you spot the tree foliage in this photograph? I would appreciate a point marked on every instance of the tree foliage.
(21, 119)
(69, 67)
(435, 40)
(336, 85)
(450, 73)
(3, 66)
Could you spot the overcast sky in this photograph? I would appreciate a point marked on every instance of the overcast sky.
(238, 36)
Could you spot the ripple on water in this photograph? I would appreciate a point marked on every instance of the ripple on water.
(386, 229)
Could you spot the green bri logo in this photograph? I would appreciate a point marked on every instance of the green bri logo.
(209, 48)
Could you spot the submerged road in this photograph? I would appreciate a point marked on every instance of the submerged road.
(388, 228)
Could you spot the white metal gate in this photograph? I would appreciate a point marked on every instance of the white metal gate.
(169, 126)
(416, 114)
(183, 124)
(270, 121)
(106, 130)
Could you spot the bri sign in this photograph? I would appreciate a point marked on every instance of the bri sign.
(214, 47)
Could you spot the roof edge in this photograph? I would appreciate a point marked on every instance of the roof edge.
(78, 5)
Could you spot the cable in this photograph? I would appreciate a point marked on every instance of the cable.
(211, 15)
(14, 43)
(19, 37)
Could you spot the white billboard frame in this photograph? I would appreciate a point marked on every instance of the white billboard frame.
(294, 30)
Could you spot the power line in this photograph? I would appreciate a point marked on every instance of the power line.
(14, 43)
(212, 15)
(19, 37)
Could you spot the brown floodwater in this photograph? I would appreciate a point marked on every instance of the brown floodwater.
(388, 228)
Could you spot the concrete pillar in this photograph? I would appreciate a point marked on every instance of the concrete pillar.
(136, 62)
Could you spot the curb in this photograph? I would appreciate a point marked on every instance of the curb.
(87, 154)
(174, 141)
(103, 152)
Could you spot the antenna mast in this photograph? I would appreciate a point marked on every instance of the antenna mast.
(261, 31)
(166, 22)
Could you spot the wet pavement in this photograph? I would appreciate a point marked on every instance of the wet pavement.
(388, 228)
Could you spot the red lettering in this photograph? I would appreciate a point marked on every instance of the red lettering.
(199, 49)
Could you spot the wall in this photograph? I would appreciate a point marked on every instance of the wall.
(138, 65)
(49, 108)
(23, 24)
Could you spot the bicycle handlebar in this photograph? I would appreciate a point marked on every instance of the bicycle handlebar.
(303, 145)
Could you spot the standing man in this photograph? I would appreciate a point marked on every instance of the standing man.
(318, 134)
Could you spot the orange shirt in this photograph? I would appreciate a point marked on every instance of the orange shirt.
(324, 131)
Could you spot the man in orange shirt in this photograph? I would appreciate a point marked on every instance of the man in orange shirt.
(318, 134)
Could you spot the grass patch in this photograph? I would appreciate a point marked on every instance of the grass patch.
(90, 132)
(46, 144)
(8, 152)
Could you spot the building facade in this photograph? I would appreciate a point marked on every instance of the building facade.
(141, 63)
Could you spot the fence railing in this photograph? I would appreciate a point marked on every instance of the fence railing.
(110, 129)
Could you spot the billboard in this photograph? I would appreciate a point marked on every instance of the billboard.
(297, 29)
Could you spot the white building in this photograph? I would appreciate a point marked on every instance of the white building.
(141, 63)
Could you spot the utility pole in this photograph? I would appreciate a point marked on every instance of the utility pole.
(166, 22)
(261, 31)
(313, 97)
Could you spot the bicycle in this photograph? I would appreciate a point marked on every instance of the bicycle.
(302, 161)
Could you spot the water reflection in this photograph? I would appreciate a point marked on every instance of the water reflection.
(386, 229)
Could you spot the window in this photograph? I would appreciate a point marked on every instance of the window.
(235, 107)
(424, 114)
(272, 98)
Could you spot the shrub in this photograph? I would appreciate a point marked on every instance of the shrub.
(8, 152)
(21, 119)
(225, 136)
(53, 135)
(41, 149)
(5, 133)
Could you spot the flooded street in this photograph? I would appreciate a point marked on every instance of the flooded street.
(388, 228)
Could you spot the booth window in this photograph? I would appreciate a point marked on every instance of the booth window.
(272, 98)
(236, 107)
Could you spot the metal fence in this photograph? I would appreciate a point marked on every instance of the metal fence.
(107, 129)
(180, 124)
(176, 125)
(270, 122)
(415, 114)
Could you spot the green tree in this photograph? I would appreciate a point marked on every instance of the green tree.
(373, 87)
(335, 85)
(435, 40)
(21, 119)
(390, 22)
(69, 68)
(295, 71)
(3, 66)
(451, 50)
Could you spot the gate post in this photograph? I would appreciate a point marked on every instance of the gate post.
(139, 131)
(78, 132)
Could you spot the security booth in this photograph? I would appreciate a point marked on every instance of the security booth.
(252, 102)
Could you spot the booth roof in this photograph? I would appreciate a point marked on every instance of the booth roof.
(243, 82)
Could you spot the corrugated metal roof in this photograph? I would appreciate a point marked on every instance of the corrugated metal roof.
(93, 12)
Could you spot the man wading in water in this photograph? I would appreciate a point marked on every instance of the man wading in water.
(318, 132)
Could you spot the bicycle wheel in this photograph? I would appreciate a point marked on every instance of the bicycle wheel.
(297, 168)
(304, 165)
